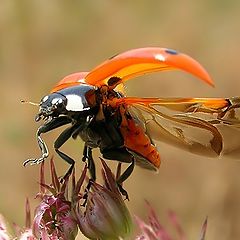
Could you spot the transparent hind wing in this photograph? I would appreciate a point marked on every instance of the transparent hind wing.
(208, 127)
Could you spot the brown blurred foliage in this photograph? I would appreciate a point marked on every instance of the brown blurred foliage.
(42, 41)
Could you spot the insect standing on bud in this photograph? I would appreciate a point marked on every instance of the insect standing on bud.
(124, 128)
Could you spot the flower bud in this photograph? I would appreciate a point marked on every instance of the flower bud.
(54, 217)
(106, 215)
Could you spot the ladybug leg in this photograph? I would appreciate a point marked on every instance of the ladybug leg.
(63, 137)
(123, 156)
(120, 154)
(54, 123)
(87, 155)
(125, 175)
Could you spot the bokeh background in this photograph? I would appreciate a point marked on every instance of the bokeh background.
(42, 41)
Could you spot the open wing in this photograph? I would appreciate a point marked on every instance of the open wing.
(208, 127)
(134, 63)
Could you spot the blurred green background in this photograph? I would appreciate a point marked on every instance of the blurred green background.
(42, 41)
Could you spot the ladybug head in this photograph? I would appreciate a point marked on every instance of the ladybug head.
(52, 105)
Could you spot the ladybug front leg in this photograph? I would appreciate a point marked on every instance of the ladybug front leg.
(46, 127)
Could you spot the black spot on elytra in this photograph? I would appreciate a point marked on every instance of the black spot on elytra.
(113, 56)
(114, 80)
(171, 51)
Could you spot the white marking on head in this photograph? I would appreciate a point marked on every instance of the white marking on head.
(45, 98)
(57, 100)
(160, 57)
(75, 103)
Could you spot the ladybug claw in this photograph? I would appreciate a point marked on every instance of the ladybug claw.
(33, 161)
(123, 192)
(87, 189)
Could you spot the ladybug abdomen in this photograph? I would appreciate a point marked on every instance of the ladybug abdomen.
(139, 144)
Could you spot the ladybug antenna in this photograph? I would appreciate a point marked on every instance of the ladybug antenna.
(28, 102)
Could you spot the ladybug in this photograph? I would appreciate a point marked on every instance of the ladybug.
(93, 107)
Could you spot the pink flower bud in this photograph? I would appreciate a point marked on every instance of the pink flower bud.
(54, 217)
(106, 215)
